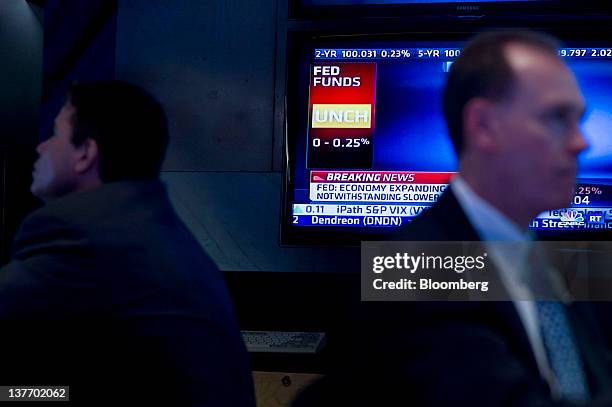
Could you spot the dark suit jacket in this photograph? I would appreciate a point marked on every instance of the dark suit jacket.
(449, 353)
(108, 291)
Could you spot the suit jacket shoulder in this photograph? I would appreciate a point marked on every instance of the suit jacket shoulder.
(130, 295)
(443, 221)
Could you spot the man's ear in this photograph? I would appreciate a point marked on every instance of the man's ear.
(87, 159)
(479, 125)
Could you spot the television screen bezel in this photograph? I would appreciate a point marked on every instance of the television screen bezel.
(299, 10)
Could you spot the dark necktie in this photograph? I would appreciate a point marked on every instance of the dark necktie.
(563, 355)
(559, 341)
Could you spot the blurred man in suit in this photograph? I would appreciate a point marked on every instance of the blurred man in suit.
(107, 291)
(513, 110)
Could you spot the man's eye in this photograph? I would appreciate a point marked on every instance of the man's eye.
(562, 123)
(559, 116)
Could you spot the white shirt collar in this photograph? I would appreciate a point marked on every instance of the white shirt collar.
(489, 222)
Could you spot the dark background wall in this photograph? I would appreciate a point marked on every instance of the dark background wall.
(79, 46)
(21, 55)
(21, 47)
(213, 64)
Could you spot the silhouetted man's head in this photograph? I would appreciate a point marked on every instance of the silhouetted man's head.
(107, 131)
(513, 110)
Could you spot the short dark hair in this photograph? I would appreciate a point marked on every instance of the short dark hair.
(127, 123)
(482, 70)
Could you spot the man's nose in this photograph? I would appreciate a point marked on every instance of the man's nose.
(578, 143)
(40, 147)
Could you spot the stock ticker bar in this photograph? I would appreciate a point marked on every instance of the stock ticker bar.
(370, 54)
(392, 198)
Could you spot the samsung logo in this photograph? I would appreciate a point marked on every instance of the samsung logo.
(468, 8)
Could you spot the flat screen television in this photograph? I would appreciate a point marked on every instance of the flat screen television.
(367, 145)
